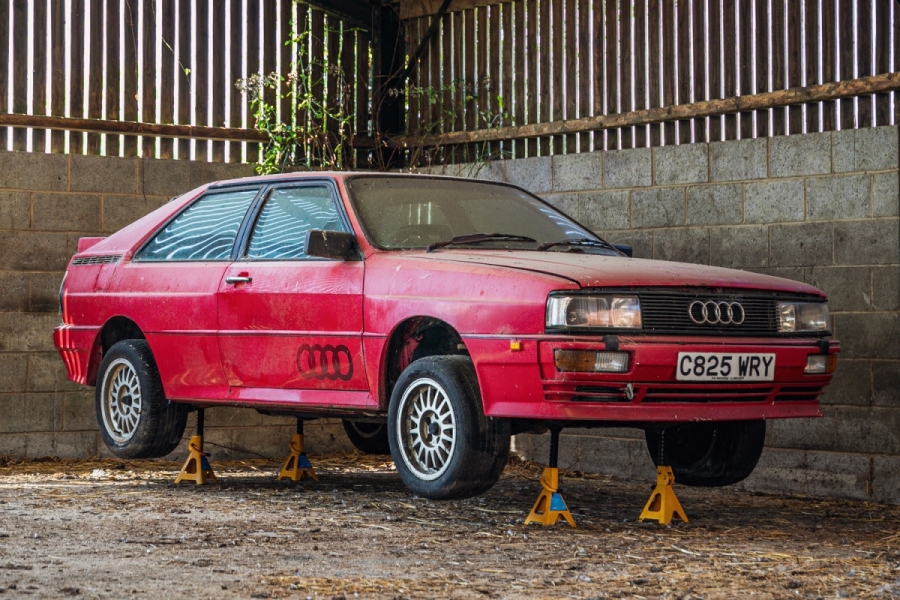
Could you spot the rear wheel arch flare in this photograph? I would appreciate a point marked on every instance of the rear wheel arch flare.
(115, 330)
(135, 418)
(412, 339)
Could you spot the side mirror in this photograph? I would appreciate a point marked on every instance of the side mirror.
(338, 245)
(624, 249)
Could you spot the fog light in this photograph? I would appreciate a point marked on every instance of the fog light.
(587, 361)
(820, 364)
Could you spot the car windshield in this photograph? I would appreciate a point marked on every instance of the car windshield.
(400, 213)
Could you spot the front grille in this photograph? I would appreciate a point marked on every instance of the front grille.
(667, 312)
(97, 260)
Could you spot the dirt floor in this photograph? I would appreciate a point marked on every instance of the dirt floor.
(111, 529)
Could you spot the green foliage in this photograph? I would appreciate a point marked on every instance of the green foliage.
(449, 102)
(317, 130)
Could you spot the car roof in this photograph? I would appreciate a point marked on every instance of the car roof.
(341, 175)
(132, 235)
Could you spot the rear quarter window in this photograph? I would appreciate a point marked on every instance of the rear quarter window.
(206, 230)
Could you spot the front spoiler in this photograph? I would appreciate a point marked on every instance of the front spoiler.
(523, 383)
(659, 413)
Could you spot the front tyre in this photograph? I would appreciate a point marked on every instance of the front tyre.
(441, 442)
(136, 420)
(711, 454)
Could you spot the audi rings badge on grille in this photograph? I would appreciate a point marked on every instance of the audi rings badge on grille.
(711, 312)
(325, 362)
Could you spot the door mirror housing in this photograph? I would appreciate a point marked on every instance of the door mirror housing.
(338, 245)
(624, 249)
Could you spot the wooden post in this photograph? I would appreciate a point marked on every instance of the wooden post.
(4, 73)
(113, 73)
(40, 71)
(130, 71)
(95, 72)
(167, 73)
(219, 34)
(388, 55)
(148, 71)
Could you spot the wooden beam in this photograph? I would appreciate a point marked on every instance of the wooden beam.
(146, 129)
(413, 9)
(132, 128)
(863, 86)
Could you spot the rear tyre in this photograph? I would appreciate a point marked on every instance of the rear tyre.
(709, 454)
(442, 444)
(136, 420)
(369, 438)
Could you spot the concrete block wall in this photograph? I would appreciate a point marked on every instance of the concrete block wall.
(820, 208)
(47, 202)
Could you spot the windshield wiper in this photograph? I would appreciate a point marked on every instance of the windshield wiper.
(579, 242)
(477, 238)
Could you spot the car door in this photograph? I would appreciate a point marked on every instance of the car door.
(169, 289)
(289, 321)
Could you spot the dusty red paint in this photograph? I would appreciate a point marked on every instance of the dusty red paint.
(243, 345)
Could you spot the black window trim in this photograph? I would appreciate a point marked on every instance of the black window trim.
(242, 242)
(137, 256)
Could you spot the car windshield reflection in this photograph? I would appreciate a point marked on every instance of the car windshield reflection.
(404, 213)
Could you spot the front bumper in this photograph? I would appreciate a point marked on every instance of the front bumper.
(524, 383)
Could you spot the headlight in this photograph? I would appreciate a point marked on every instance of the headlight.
(802, 316)
(613, 311)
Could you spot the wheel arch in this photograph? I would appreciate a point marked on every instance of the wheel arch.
(115, 330)
(411, 339)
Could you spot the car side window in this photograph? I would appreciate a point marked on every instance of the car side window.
(287, 216)
(205, 231)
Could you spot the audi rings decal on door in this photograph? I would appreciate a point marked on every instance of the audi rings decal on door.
(325, 362)
(710, 312)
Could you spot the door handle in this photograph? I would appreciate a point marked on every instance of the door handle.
(238, 279)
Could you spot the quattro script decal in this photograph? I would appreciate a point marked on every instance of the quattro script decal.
(325, 362)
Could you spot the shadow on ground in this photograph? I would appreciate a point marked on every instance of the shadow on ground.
(113, 529)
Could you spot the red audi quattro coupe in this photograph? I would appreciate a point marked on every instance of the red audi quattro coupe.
(437, 317)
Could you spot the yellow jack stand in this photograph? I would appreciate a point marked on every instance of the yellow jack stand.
(196, 468)
(663, 504)
(297, 466)
(550, 507)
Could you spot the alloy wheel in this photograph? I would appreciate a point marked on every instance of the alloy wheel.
(426, 429)
(121, 400)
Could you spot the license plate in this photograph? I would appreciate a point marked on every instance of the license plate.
(719, 366)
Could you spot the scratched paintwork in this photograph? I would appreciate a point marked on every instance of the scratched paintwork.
(238, 344)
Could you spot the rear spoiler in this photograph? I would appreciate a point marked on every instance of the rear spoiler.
(86, 242)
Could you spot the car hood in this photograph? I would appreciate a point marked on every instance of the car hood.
(591, 270)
